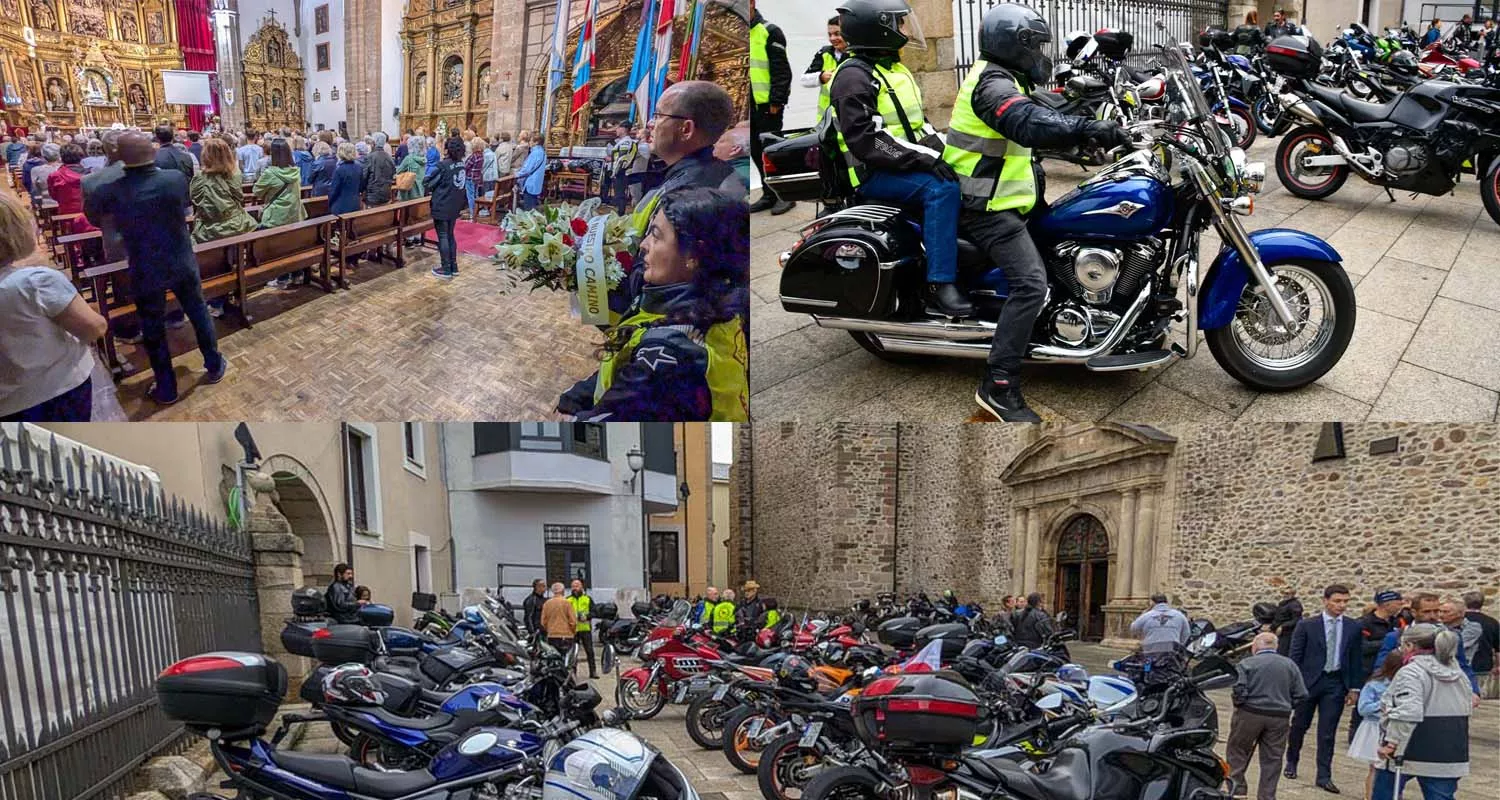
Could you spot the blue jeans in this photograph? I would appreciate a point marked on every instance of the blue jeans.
(1432, 788)
(530, 201)
(470, 191)
(940, 201)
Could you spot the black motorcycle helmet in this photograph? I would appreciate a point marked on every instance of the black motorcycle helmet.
(1012, 36)
(1404, 63)
(794, 673)
(879, 25)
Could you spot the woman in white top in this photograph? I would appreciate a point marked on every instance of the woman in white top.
(45, 332)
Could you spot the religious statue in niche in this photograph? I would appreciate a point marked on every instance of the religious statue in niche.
(453, 82)
(482, 92)
(58, 98)
(130, 30)
(138, 102)
(273, 53)
(156, 28)
(275, 99)
(95, 88)
(28, 86)
(256, 104)
(420, 90)
(42, 14)
(86, 17)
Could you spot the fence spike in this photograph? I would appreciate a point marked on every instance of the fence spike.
(25, 447)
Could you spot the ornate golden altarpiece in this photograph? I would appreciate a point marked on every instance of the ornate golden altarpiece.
(445, 54)
(75, 64)
(274, 79)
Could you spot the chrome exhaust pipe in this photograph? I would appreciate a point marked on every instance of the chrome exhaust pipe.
(1299, 108)
(1074, 355)
(935, 347)
(939, 330)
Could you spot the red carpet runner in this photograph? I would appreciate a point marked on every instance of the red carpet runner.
(473, 238)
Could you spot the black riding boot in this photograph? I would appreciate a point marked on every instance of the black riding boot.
(948, 300)
(1000, 395)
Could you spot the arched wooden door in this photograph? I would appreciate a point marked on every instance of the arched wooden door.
(1083, 575)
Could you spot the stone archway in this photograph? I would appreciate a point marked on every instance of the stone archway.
(306, 508)
(1114, 474)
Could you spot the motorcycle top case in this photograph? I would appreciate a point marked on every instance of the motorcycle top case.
(375, 615)
(640, 608)
(794, 167)
(231, 691)
(1114, 44)
(346, 644)
(308, 602)
(297, 637)
(1295, 56)
(423, 601)
(922, 709)
(899, 632)
(849, 266)
(955, 636)
(605, 611)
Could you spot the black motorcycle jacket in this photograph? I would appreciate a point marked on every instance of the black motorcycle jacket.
(999, 100)
(854, 96)
(342, 606)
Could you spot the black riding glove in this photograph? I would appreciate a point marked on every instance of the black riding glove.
(1106, 134)
(942, 171)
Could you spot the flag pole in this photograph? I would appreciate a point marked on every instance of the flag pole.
(555, 64)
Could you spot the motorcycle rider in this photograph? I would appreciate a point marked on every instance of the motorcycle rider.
(750, 608)
(706, 611)
(339, 597)
(770, 86)
(891, 152)
(995, 124)
(1033, 623)
(583, 634)
(1161, 627)
(1463, 34)
(724, 614)
(819, 73)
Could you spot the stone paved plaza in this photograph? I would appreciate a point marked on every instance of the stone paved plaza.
(1427, 283)
(715, 779)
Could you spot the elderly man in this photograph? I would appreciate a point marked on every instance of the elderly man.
(751, 607)
(1269, 686)
(147, 207)
(379, 173)
(557, 620)
(1427, 607)
(710, 599)
(724, 614)
(1161, 627)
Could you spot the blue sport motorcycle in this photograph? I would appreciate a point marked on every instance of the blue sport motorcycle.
(1274, 306)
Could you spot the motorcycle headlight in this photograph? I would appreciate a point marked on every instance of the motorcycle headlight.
(651, 647)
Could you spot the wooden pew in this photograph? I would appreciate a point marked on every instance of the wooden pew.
(217, 261)
(366, 231)
(416, 217)
(271, 253)
(502, 198)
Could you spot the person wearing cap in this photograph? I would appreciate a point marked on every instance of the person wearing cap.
(751, 607)
(1373, 627)
(148, 207)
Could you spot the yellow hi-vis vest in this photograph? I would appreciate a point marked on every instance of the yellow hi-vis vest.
(760, 64)
(829, 65)
(994, 174)
(581, 606)
(723, 617)
(772, 617)
(896, 85)
(708, 612)
(728, 365)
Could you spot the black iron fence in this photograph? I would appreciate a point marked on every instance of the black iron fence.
(104, 580)
(1184, 19)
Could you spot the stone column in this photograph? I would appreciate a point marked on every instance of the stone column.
(506, 42)
(1125, 547)
(1018, 554)
(362, 58)
(1144, 582)
(434, 88)
(933, 67)
(227, 58)
(1033, 549)
(278, 570)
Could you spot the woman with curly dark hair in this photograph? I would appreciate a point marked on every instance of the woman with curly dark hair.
(680, 351)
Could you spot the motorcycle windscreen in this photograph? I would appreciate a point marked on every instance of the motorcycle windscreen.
(603, 764)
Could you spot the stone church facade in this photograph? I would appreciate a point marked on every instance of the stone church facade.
(1097, 517)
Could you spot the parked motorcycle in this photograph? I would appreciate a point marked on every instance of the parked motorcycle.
(1418, 142)
(675, 661)
(1275, 306)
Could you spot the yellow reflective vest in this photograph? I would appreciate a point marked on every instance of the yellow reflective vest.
(994, 174)
(897, 84)
(728, 363)
(708, 612)
(582, 604)
(723, 617)
(760, 64)
(829, 65)
(772, 617)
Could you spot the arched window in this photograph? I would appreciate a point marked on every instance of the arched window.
(1083, 539)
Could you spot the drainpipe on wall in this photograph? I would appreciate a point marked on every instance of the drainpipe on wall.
(896, 514)
(348, 511)
(448, 507)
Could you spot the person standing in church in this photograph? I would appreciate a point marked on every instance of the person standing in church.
(414, 164)
(168, 156)
(504, 151)
(532, 176)
(380, 171)
(474, 176)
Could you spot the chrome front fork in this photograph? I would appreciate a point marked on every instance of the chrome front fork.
(1234, 233)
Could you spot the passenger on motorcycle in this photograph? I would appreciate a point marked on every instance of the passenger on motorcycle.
(995, 125)
(891, 152)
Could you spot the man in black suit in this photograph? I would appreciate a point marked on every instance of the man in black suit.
(169, 155)
(1326, 649)
(148, 206)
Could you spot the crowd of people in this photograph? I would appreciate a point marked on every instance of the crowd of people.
(563, 618)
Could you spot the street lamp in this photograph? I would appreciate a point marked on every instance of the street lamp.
(636, 460)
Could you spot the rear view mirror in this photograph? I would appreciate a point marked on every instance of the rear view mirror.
(1050, 702)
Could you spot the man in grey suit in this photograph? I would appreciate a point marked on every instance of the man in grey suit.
(1326, 649)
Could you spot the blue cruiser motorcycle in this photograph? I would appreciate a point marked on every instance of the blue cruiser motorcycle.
(1275, 306)
(230, 698)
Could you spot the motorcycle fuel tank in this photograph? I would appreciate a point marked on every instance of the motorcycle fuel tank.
(484, 749)
(1108, 207)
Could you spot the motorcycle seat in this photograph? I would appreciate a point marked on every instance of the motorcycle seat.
(1066, 778)
(435, 698)
(1355, 110)
(1050, 99)
(410, 723)
(341, 772)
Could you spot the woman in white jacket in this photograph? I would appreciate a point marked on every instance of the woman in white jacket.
(1425, 717)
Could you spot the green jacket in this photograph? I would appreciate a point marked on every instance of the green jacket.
(279, 189)
(417, 163)
(218, 209)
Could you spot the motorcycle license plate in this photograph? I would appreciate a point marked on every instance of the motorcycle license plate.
(754, 730)
(697, 685)
(810, 734)
(721, 692)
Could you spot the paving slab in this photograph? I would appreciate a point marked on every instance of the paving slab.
(1414, 393)
(1379, 340)
(1454, 339)
(1399, 288)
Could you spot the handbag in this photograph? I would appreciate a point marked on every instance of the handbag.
(405, 181)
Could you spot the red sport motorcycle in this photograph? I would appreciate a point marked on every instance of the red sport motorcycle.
(675, 661)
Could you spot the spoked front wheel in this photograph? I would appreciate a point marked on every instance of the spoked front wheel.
(1240, 125)
(1263, 353)
(642, 702)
